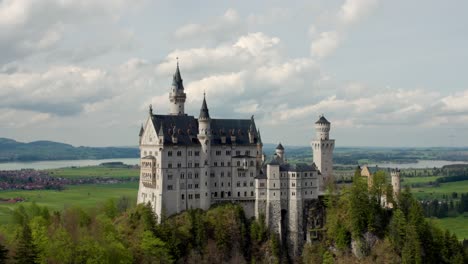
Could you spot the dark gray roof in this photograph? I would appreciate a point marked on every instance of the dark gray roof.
(280, 146)
(322, 120)
(261, 175)
(141, 131)
(300, 167)
(204, 113)
(177, 79)
(186, 129)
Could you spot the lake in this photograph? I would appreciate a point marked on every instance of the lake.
(421, 164)
(55, 164)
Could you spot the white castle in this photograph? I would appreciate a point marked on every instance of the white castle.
(189, 162)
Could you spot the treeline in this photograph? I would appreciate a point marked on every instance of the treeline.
(444, 208)
(359, 229)
(11, 150)
(115, 233)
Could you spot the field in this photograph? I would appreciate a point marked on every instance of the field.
(457, 225)
(411, 180)
(433, 192)
(85, 196)
(95, 171)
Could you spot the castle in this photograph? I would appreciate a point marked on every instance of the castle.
(189, 162)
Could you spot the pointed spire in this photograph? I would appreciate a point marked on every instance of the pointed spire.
(161, 131)
(177, 80)
(259, 136)
(204, 113)
(141, 130)
(151, 109)
(280, 147)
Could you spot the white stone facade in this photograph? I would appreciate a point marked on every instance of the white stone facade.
(189, 162)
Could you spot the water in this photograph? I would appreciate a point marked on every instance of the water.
(42, 165)
(421, 164)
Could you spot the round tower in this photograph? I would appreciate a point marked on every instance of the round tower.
(204, 136)
(279, 151)
(395, 174)
(177, 95)
(322, 128)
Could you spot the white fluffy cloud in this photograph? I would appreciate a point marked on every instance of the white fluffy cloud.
(325, 44)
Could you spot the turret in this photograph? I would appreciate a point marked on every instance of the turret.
(395, 174)
(279, 152)
(322, 128)
(142, 131)
(177, 95)
(204, 136)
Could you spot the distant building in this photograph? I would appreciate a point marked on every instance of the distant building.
(189, 162)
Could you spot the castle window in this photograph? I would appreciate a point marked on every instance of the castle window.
(251, 184)
(190, 196)
(196, 175)
(189, 175)
(305, 183)
(222, 184)
(229, 184)
(206, 162)
(169, 153)
(151, 152)
(169, 165)
(222, 174)
(179, 165)
(218, 153)
(215, 164)
(196, 185)
(189, 153)
(212, 175)
(238, 194)
(251, 163)
(262, 184)
(293, 194)
(237, 152)
(229, 194)
(222, 163)
(245, 194)
(238, 163)
(216, 194)
(274, 185)
(183, 197)
(293, 184)
(251, 174)
(197, 164)
(144, 153)
(169, 187)
(228, 153)
(182, 186)
(247, 153)
(169, 177)
(252, 193)
(245, 184)
(229, 164)
(189, 164)
(215, 184)
(238, 184)
(190, 186)
(197, 196)
(197, 153)
(179, 153)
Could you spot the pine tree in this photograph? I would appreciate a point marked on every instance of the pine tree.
(3, 254)
(26, 252)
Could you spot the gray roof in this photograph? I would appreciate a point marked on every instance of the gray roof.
(300, 167)
(204, 113)
(280, 146)
(177, 79)
(141, 131)
(186, 129)
(322, 120)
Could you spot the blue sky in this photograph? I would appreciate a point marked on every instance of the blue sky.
(385, 73)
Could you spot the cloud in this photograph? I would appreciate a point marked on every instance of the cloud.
(35, 27)
(350, 12)
(353, 10)
(325, 45)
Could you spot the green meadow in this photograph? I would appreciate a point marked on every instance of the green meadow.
(85, 196)
(433, 192)
(95, 171)
(457, 225)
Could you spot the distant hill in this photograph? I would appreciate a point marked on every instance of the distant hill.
(11, 150)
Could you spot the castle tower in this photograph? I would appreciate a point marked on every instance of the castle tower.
(279, 152)
(177, 95)
(322, 147)
(204, 136)
(395, 174)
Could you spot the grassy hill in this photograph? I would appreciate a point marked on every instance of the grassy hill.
(11, 150)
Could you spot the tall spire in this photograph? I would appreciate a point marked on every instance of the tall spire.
(177, 79)
(204, 113)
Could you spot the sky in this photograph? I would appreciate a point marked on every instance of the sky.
(384, 73)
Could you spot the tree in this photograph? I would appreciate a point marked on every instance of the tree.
(397, 229)
(26, 252)
(3, 254)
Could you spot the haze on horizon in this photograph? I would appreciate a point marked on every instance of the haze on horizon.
(385, 73)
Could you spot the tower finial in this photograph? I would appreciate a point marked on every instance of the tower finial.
(151, 109)
(177, 58)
